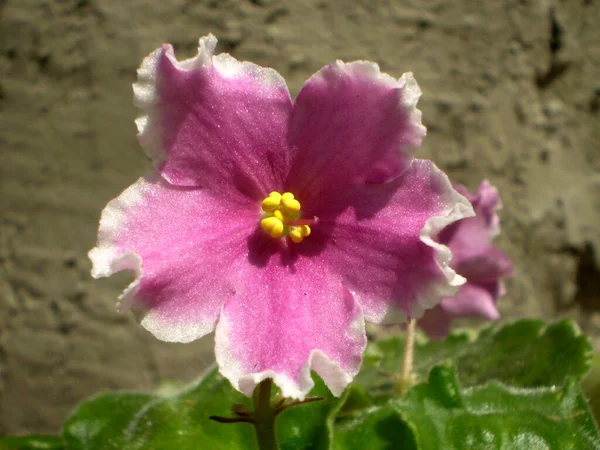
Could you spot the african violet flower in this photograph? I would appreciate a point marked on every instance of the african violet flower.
(281, 226)
(474, 258)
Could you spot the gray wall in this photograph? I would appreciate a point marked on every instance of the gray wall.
(511, 93)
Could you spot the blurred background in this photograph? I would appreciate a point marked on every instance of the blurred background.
(511, 93)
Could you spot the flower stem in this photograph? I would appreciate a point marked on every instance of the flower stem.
(264, 416)
(405, 381)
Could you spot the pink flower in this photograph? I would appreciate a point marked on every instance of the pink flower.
(477, 260)
(285, 287)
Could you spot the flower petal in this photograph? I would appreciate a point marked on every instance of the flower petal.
(436, 322)
(290, 318)
(468, 237)
(470, 301)
(383, 246)
(352, 124)
(477, 260)
(183, 245)
(213, 121)
(488, 266)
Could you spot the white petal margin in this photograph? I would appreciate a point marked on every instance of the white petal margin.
(106, 257)
(184, 333)
(145, 93)
(146, 96)
(495, 225)
(411, 93)
(451, 281)
(334, 376)
(409, 89)
(461, 208)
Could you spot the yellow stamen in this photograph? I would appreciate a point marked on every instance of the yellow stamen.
(290, 204)
(272, 202)
(296, 234)
(273, 226)
(281, 217)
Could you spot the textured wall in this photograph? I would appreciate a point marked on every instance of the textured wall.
(511, 93)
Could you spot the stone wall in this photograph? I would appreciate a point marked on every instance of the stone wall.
(511, 93)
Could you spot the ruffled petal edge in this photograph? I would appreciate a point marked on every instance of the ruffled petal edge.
(335, 377)
(107, 260)
(146, 96)
(452, 281)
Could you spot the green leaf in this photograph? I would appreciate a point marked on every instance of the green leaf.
(435, 414)
(495, 416)
(378, 427)
(525, 353)
(181, 420)
(591, 387)
(305, 426)
(141, 421)
(102, 421)
(32, 443)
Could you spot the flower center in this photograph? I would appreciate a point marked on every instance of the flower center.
(281, 217)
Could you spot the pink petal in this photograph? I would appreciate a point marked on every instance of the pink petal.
(214, 121)
(487, 266)
(289, 317)
(475, 259)
(471, 301)
(185, 247)
(436, 322)
(468, 237)
(382, 245)
(351, 124)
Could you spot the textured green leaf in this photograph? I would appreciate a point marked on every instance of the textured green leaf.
(102, 421)
(32, 443)
(591, 387)
(306, 426)
(525, 353)
(548, 360)
(181, 420)
(377, 427)
(496, 417)
(155, 422)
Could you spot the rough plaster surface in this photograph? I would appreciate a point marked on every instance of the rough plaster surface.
(511, 90)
